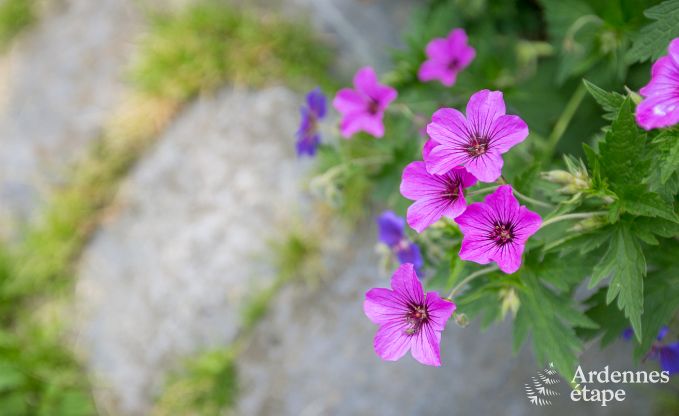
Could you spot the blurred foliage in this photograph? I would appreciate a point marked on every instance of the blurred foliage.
(213, 42)
(15, 15)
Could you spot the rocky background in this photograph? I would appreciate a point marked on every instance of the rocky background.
(184, 244)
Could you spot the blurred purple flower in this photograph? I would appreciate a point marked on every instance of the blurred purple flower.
(476, 142)
(666, 354)
(391, 231)
(408, 319)
(308, 136)
(660, 107)
(363, 108)
(446, 57)
(435, 196)
(497, 230)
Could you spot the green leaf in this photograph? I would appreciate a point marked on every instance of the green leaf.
(551, 320)
(609, 101)
(662, 301)
(652, 40)
(622, 151)
(669, 162)
(650, 204)
(611, 320)
(625, 262)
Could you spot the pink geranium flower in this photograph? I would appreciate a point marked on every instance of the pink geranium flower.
(363, 108)
(476, 142)
(446, 57)
(497, 230)
(408, 319)
(660, 107)
(435, 195)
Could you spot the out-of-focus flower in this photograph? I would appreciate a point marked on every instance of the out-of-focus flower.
(308, 136)
(660, 106)
(446, 57)
(666, 354)
(435, 196)
(391, 231)
(497, 230)
(363, 107)
(476, 142)
(408, 319)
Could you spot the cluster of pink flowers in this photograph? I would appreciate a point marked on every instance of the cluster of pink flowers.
(462, 149)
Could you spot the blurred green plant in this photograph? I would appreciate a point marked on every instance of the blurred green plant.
(198, 50)
(15, 16)
(212, 42)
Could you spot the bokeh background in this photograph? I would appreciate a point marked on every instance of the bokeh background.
(161, 252)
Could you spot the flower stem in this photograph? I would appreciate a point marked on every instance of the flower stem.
(469, 278)
(531, 200)
(563, 121)
(575, 216)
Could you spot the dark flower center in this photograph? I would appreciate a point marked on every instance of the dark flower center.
(416, 317)
(373, 106)
(453, 64)
(477, 146)
(452, 191)
(502, 233)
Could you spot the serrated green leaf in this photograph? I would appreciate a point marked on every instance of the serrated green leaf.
(622, 151)
(551, 320)
(609, 101)
(624, 260)
(611, 320)
(650, 204)
(657, 226)
(652, 40)
(669, 162)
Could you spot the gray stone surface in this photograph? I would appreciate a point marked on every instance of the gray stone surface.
(313, 355)
(58, 84)
(364, 32)
(166, 275)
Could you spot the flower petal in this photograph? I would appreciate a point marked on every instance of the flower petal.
(426, 211)
(448, 126)
(438, 49)
(658, 111)
(527, 224)
(487, 167)
(443, 158)
(504, 204)
(316, 101)
(669, 358)
(410, 254)
(482, 109)
(425, 346)
(406, 284)
(390, 228)
(349, 101)
(507, 131)
(391, 341)
(382, 305)
(439, 310)
(436, 70)
(508, 257)
(417, 183)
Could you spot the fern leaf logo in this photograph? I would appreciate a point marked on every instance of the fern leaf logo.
(538, 391)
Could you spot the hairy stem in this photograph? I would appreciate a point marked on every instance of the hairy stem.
(575, 216)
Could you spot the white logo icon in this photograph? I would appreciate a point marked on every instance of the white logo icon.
(538, 392)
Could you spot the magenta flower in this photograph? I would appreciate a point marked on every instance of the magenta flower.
(308, 137)
(666, 354)
(477, 141)
(408, 319)
(446, 57)
(660, 107)
(391, 231)
(497, 230)
(363, 107)
(435, 195)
